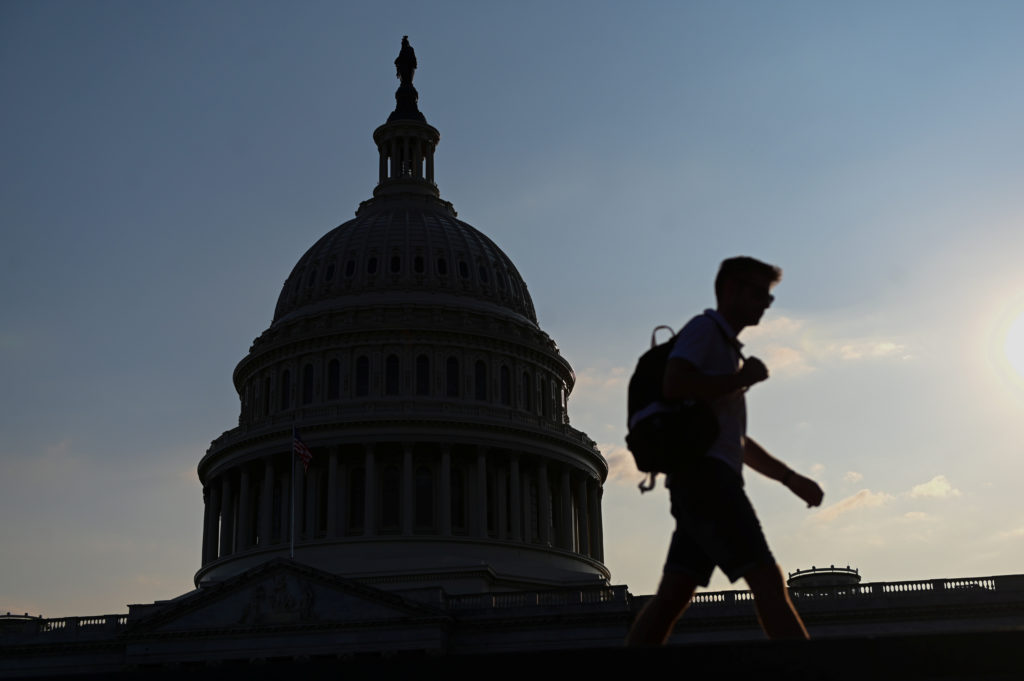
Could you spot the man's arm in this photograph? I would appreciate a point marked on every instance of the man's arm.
(683, 382)
(755, 456)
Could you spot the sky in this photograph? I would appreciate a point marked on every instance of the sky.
(163, 165)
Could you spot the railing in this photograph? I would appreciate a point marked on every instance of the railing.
(532, 599)
(967, 584)
(81, 624)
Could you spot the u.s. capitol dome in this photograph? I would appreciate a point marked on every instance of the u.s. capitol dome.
(405, 353)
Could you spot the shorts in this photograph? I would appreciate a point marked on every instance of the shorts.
(715, 524)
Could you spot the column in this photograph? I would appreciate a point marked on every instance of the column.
(332, 494)
(227, 517)
(407, 489)
(285, 504)
(582, 512)
(528, 510)
(370, 488)
(596, 525)
(445, 491)
(544, 503)
(310, 482)
(382, 172)
(516, 490)
(211, 497)
(267, 503)
(480, 514)
(565, 510)
(501, 501)
(244, 509)
(430, 165)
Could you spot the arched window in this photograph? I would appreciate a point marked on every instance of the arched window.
(527, 389)
(422, 375)
(391, 375)
(424, 483)
(452, 377)
(480, 380)
(333, 379)
(506, 385)
(307, 384)
(286, 389)
(362, 376)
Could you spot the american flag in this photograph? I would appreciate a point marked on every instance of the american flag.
(300, 450)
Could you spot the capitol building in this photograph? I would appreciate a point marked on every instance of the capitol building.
(443, 505)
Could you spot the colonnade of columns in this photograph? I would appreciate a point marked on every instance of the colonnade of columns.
(406, 156)
(404, 489)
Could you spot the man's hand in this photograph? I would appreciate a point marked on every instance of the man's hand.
(753, 371)
(806, 489)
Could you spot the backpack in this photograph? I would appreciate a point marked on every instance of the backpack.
(664, 438)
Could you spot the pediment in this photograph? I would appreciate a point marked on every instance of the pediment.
(282, 593)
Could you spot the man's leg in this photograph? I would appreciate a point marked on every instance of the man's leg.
(778, 617)
(655, 621)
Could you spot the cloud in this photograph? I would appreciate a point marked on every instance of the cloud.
(817, 469)
(938, 487)
(871, 348)
(862, 499)
(592, 377)
(915, 515)
(621, 468)
(852, 476)
(789, 346)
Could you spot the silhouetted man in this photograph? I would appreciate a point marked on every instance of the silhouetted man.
(715, 523)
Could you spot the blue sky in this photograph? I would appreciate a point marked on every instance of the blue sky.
(164, 165)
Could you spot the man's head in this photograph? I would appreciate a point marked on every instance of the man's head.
(743, 288)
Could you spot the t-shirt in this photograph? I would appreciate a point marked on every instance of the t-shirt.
(702, 343)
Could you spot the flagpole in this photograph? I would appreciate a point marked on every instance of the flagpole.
(291, 547)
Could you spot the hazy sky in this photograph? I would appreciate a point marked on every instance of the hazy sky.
(163, 165)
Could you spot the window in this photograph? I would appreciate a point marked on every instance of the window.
(350, 268)
(391, 383)
(371, 266)
(442, 267)
(527, 388)
(422, 375)
(396, 264)
(418, 264)
(362, 376)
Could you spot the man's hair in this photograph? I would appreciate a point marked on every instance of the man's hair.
(743, 268)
